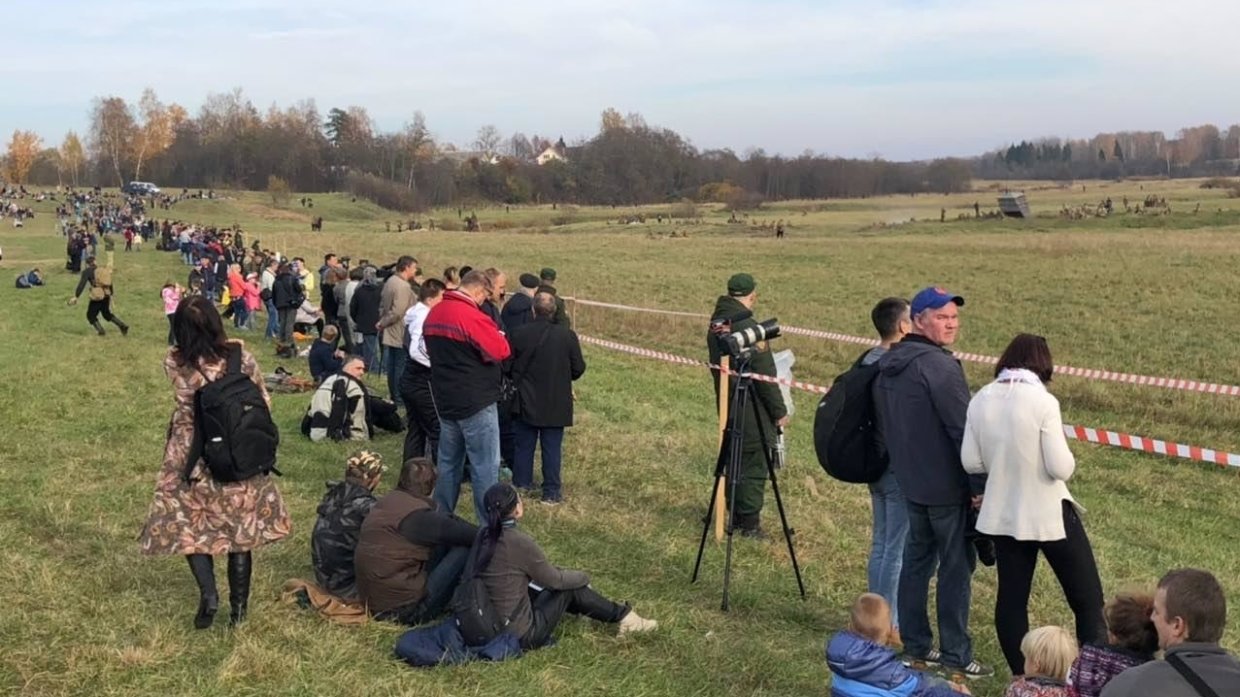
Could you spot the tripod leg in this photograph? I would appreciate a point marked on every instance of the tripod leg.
(783, 520)
(736, 446)
(779, 502)
(716, 490)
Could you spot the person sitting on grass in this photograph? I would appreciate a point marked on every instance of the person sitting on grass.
(1049, 652)
(31, 279)
(344, 507)
(325, 359)
(528, 589)
(862, 665)
(1190, 614)
(1131, 641)
(338, 408)
(411, 552)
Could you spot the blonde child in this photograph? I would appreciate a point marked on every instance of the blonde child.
(863, 666)
(1049, 653)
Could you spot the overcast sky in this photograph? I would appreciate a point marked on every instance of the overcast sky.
(902, 79)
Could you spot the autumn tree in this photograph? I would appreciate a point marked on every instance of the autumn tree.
(24, 148)
(156, 129)
(72, 155)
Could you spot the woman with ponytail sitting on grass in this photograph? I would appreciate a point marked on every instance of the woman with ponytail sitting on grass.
(528, 589)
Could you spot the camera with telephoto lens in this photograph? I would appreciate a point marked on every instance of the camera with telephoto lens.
(739, 342)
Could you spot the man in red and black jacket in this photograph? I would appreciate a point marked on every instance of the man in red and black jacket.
(466, 351)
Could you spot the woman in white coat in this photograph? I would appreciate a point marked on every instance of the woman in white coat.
(1014, 434)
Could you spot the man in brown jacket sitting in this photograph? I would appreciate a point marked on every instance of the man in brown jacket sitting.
(410, 554)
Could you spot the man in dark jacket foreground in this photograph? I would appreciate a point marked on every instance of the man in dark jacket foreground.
(411, 552)
(336, 530)
(733, 313)
(546, 359)
(921, 398)
(1190, 614)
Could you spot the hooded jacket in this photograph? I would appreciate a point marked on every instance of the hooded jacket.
(862, 668)
(922, 399)
(336, 532)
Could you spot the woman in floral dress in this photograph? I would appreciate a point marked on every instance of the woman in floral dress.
(204, 518)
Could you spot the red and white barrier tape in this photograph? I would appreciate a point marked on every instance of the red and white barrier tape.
(1087, 373)
(1090, 435)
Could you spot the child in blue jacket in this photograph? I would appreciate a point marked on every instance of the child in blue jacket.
(862, 665)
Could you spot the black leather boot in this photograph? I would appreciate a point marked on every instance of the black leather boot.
(203, 568)
(238, 586)
(98, 328)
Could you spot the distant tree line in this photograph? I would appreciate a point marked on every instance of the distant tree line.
(1194, 152)
(232, 144)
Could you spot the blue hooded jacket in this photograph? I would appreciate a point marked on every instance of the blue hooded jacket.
(862, 668)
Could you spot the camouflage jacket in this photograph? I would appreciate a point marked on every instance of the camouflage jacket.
(336, 531)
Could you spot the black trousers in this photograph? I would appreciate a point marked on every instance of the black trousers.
(422, 434)
(102, 307)
(549, 606)
(1072, 560)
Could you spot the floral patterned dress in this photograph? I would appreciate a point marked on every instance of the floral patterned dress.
(208, 517)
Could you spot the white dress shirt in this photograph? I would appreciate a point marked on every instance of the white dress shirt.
(415, 317)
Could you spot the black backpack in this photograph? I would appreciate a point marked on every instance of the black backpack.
(472, 611)
(233, 430)
(845, 433)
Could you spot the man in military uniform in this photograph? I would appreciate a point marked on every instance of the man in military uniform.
(336, 531)
(735, 312)
(100, 296)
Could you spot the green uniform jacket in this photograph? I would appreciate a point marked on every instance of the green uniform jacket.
(767, 395)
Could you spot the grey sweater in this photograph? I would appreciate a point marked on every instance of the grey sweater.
(1219, 669)
(518, 561)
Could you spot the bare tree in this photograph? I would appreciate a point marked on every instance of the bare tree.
(488, 140)
(112, 132)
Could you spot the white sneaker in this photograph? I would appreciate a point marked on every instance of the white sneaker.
(633, 622)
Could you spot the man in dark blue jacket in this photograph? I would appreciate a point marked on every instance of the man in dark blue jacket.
(922, 398)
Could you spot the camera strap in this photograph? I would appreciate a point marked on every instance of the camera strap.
(1181, 666)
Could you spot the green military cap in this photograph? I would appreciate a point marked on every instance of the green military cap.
(740, 285)
(547, 274)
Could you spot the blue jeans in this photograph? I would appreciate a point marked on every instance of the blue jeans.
(477, 436)
(370, 352)
(936, 534)
(394, 358)
(273, 320)
(552, 440)
(887, 545)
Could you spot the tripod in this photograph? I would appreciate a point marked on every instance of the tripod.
(729, 464)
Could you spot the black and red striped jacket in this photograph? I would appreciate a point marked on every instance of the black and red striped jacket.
(466, 350)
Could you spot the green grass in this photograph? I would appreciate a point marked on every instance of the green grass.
(84, 420)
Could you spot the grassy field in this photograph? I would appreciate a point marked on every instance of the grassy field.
(84, 421)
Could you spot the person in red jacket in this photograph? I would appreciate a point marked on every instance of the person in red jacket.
(466, 349)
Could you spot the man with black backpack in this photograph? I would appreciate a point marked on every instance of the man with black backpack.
(100, 282)
(921, 398)
(848, 439)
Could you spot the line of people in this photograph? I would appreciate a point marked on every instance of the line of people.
(986, 474)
